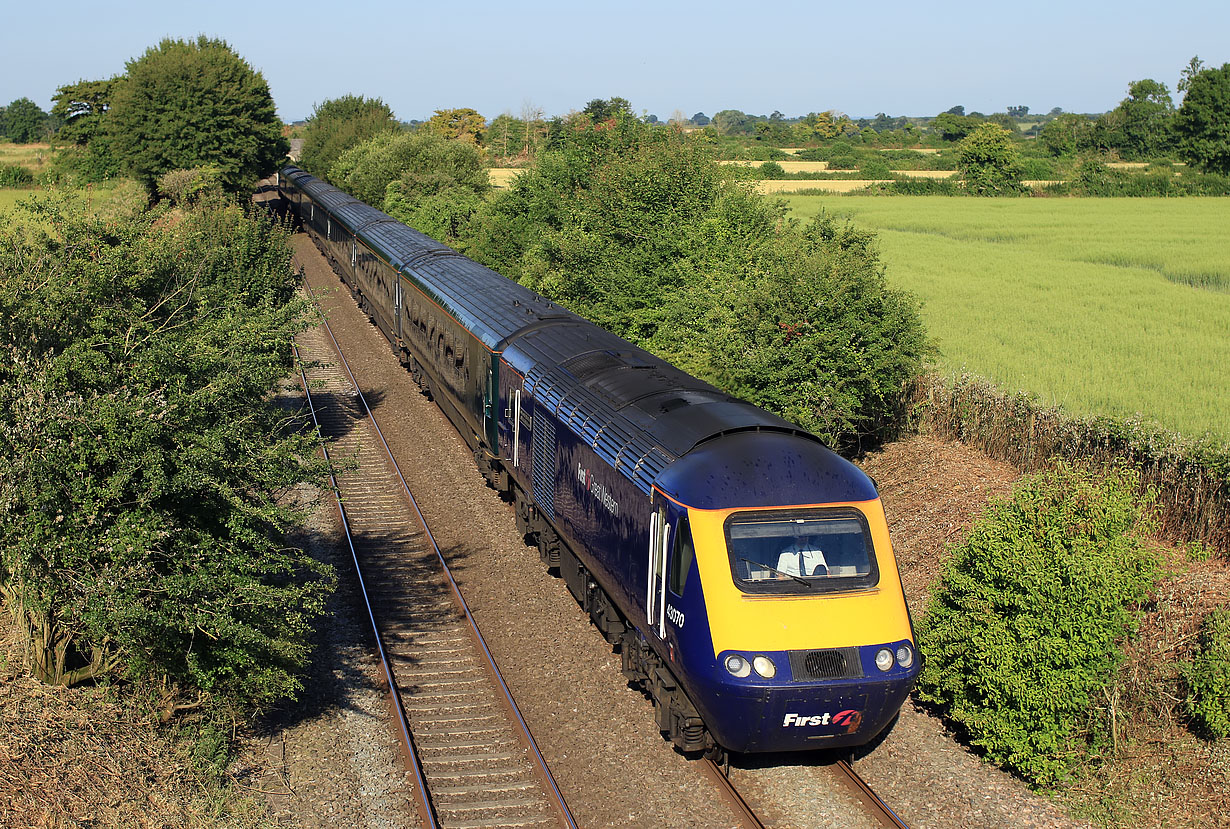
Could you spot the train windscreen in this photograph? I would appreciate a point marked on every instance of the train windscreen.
(797, 551)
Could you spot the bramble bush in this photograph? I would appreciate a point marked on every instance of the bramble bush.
(142, 521)
(1208, 676)
(1025, 630)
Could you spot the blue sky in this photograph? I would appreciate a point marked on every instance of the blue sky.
(902, 58)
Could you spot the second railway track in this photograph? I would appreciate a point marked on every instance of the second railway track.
(477, 765)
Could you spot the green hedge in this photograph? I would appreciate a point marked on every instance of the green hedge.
(1208, 676)
(1026, 628)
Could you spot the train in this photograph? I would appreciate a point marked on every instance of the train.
(742, 569)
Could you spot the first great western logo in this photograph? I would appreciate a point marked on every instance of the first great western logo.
(599, 492)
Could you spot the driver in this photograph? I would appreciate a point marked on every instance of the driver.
(803, 557)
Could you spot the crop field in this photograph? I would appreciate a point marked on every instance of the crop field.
(34, 157)
(1102, 306)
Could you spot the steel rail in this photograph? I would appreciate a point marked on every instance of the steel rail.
(540, 763)
(423, 803)
(886, 816)
(750, 818)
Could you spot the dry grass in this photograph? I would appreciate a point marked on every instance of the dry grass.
(788, 166)
(34, 157)
(780, 186)
(503, 176)
(73, 757)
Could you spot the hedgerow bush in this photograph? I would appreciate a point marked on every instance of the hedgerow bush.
(13, 175)
(142, 508)
(1025, 629)
(1208, 676)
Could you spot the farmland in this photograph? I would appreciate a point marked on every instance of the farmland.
(1102, 306)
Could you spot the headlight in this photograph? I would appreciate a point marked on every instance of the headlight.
(765, 667)
(905, 656)
(884, 659)
(738, 666)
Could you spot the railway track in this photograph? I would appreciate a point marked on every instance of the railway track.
(472, 758)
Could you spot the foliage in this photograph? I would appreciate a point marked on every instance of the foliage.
(954, 127)
(458, 124)
(187, 104)
(183, 187)
(638, 230)
(1068, 134)
(24, 122)
(1140, 127)
(14, 175)
(989, 162)
(1202, 124)
(340, 124)
(1208, 676)
(814, 333)
(82, 110)
(1027, 626)
(141, 513)
(600, 109)
(430, 183)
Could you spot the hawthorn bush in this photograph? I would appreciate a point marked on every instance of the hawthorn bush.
(142, 524)
(1026, 627)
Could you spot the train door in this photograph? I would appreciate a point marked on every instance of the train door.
(655, 587)
(397, 312)
(514, 436)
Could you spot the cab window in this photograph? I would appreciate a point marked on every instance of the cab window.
(681, 557)
(801, 551)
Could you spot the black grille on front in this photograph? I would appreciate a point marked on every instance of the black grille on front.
(835, 663)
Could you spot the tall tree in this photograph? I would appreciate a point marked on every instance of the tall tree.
(1202, 124)
(339, 124)
(462, 124)
(24, 121)
(195, 103)
(989, 161)
(1140, 125)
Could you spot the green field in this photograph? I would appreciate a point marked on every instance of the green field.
(1102, 306)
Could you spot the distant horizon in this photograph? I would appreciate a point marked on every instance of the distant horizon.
(682, 56)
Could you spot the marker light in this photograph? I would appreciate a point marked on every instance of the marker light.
(738, 666)
(765, 667)
(905, 656)
(884, 659)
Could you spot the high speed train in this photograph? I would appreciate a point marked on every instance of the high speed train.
(743, 570)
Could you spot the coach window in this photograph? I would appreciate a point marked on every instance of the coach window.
(681, 557)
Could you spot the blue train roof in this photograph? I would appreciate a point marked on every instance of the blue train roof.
(638, 412)
(763, 469)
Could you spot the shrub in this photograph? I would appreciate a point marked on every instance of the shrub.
(13, 175)
(1208, 676)
(1026, 627)
(142, 528)
(772, 170)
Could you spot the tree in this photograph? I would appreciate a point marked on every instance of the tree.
(700, 119)
(953, 127)
(339, 124)
(958, 110)
(1140, 126)
(458, 124)
(1018, 111)
(24, 122)
(600, 109)
(428, 182)
(1202, 124)
(82, 109)
(189, 104)
(1067, 134)
(989, 162)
